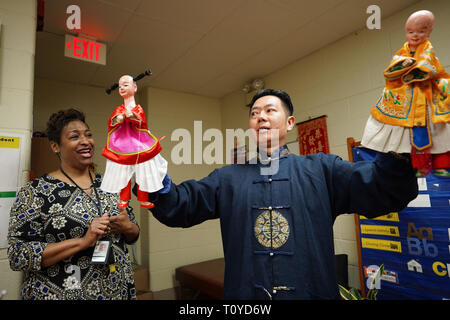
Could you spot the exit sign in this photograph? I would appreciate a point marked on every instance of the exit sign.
(85, 49)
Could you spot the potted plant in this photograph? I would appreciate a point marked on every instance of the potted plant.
(354, 294)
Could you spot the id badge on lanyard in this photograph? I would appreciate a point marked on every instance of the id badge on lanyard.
(102, 252)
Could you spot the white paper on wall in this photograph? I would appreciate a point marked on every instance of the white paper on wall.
(10, 178)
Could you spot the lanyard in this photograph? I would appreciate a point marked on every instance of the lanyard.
(98, 204)
(102, 256)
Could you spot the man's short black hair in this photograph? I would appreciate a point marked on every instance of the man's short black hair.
(283, 96)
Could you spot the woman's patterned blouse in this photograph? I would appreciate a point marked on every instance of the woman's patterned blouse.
(48, 210)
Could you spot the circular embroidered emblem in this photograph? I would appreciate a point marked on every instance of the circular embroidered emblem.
(271, 235)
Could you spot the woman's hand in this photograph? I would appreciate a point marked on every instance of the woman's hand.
(98, 228)
(58, 251)
(121, 224)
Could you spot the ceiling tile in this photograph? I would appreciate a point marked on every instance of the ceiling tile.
(161, 46)
(128, 5)
(195, 15)
(245, 33)
(206, 47)
(99, 20)
(222, 85)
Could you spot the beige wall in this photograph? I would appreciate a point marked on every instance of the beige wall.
(51, 96)
(343, 81)
(17, 44)
(173, 247)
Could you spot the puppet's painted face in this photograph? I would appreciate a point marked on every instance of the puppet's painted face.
(127, 88)
(417, 31)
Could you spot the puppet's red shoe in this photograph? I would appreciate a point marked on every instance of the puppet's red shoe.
(147, 205)
(122, 204)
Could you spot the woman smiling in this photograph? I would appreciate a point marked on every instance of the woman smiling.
(58, 218)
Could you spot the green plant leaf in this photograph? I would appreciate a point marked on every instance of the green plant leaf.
(377, 276)
(372, 294)
(345, 294)
(380, 271)
(355, 293)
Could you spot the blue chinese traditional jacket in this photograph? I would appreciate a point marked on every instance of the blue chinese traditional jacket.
(277, 230)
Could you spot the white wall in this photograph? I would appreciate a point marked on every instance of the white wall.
(343, 80)
(17, 44)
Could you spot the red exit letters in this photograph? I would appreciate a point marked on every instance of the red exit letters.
(85, 49)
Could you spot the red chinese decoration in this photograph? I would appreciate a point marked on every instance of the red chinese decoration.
(313, 136)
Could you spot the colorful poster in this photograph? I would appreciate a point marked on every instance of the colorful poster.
(413, 244)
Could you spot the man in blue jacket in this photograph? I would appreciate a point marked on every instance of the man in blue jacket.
(277, 228)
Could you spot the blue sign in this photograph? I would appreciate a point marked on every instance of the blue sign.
(413, 244)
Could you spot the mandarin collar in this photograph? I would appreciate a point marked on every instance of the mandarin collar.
(263, 157)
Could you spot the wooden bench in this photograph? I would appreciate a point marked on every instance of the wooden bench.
(203, 280)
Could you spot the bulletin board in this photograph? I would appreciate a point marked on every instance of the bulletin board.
(413, 244)
(10, 178)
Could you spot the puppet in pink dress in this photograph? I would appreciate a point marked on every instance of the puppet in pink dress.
(132, 149)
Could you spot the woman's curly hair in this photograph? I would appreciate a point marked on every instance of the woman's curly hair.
(59, 120)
